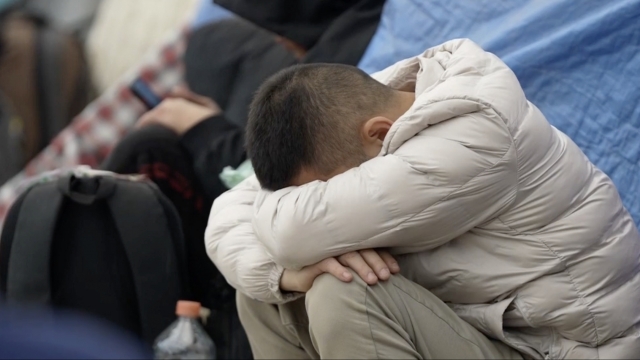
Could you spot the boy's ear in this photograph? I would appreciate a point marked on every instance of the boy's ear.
(376, 129)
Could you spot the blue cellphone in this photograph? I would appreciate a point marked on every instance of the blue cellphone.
(142, 91)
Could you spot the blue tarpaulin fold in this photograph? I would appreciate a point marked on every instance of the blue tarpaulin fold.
(578, 61)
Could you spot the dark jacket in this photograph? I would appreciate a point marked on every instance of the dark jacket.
(228, 61)
(332, 31)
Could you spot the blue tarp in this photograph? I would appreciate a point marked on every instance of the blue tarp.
(209, 12)
(578, 61)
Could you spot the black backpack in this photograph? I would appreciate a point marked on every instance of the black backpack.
(156, 152)
(107, 245)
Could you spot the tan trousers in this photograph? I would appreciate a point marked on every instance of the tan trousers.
(397, 319)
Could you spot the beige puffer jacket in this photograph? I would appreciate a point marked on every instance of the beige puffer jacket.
(486, 204)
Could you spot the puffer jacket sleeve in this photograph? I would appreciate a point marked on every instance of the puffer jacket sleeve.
(432, 184)
(384, 203)
(233, 247)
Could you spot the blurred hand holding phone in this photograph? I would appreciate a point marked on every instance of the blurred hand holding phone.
(143, 92)
(180, 111)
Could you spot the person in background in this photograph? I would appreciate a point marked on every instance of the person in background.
(185, 143)
(73, 16)
(225, 63)
(44, 82)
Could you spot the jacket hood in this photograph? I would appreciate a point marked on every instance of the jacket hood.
(434, 104)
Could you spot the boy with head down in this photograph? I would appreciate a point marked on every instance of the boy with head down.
(509, 242)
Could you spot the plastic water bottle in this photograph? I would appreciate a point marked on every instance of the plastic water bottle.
(185, 338)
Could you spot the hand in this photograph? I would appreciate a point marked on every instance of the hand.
(370, 265)
(181, 111)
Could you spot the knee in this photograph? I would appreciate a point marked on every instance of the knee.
(148, 136)
(147, 139)
(328, 291)
(331, 302)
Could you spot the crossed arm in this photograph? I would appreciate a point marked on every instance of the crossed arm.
(243, 260)
(254, 235)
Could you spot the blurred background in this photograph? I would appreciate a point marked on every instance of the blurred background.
(59, 55)
(66, 67)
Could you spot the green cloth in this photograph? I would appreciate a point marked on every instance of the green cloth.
(232, 177)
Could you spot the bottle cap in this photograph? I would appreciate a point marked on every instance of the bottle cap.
(188, 309)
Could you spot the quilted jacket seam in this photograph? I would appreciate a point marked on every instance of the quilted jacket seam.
(567, 271)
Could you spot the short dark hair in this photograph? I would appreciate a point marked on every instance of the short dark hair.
(309, 116)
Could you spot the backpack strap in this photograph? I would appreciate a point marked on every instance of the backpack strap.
(28, 275)
(144, 230)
